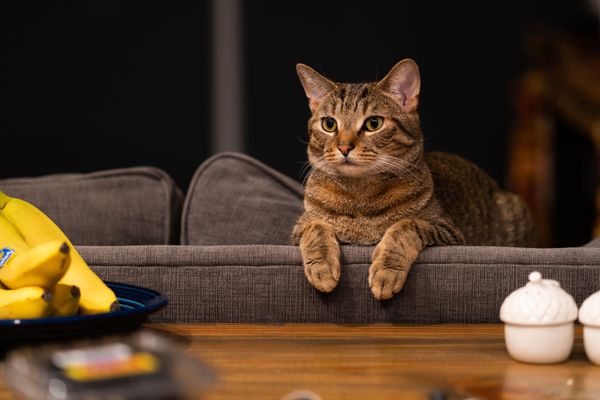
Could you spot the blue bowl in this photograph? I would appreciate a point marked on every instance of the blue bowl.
(135, 305)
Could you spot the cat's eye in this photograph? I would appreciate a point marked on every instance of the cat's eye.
(329, 124)
(373, 124)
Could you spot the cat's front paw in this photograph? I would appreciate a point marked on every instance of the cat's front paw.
(320, 255)
(323, 274)
(386, 280)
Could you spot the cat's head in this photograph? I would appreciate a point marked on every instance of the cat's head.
(362, 129)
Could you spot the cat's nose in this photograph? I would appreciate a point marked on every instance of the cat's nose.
(345, 149)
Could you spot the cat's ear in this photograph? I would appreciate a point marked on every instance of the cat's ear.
(403, 83)
(315, 85)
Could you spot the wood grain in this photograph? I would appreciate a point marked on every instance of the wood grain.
(376, 362)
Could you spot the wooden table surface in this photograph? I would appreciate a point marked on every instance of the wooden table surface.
(375, 362)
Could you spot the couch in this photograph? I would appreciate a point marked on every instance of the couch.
(220, 252)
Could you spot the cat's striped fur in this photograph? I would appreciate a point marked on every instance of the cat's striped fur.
(378, 187)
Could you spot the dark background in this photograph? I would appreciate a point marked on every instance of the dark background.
(102, 84)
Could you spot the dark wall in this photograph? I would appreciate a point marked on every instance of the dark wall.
(104, 84)
(468, 53)
(466, 63)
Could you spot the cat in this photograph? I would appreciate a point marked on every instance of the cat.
(371, 183)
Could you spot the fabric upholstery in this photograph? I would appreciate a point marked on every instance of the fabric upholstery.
(115, 207)
(235, 199)
(594, 243)
(266, 284)
(236, 265)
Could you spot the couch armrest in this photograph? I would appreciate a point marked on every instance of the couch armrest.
(266, 284)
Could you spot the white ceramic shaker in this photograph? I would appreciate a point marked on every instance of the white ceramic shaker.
(539, 321)
(589, 316)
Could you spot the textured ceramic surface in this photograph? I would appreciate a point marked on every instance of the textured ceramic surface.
(539, 321)
(539, 302)
(589, 312)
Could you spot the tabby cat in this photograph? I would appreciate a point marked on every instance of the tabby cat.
(372, 184)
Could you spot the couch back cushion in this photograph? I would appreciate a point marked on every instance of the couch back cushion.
(235, 199)
(128, 206)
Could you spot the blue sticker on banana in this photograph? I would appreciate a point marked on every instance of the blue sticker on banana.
(5, 255)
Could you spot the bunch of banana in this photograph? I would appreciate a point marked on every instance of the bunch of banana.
(35, 253)
(28, 274)
(25, 302)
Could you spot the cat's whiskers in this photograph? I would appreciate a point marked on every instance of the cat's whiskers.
(395, 166)
(306, 167)
(302, 141)
(318, 164)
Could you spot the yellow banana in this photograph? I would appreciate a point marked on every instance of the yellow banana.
(11, 242)
(23, 303)
(11, 239)
(43, 265)
(36, 227)
(65, 300)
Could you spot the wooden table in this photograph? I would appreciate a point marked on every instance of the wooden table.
(376, 362)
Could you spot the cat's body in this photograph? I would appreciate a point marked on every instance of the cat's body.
(371, 183)
(484, 213)
(448, 186)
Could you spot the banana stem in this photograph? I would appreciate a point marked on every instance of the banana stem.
(47, 296)
(75, 292)
(3, 200)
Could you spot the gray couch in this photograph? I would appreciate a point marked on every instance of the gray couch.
(221, 254)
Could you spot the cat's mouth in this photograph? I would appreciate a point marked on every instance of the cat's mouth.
(349, 167)
(346, 162)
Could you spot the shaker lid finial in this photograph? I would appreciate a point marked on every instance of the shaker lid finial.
(535, 277)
